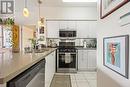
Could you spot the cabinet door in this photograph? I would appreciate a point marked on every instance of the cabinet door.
(82, 65)
(1, 37)
(67, 25)
(47, 71)
(52, 29)
(93, 30)
(80, 59)
(86, 29)
(0, 31)
(53, 63)
(92, 59)
(49, 68)
(82, 29)
(63, 25)
(72, 25)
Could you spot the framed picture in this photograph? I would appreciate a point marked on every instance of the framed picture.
(116, 54)
(41, 30)
(109, 6)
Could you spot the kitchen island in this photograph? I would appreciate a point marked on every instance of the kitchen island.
(12, 64)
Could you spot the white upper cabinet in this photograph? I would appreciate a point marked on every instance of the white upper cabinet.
(82, 29)
(52, 29)
(86, 29)
(63, 24)
(67, 25)
(92, 29)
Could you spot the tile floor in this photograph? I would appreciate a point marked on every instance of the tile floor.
(83, 79)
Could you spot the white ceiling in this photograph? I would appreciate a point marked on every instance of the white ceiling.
(52, 3)
(60, 3)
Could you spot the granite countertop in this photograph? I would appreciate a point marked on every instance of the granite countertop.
(12, 64)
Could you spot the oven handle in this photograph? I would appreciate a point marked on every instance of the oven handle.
(68, 52)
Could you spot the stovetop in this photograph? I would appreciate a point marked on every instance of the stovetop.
(62, 49)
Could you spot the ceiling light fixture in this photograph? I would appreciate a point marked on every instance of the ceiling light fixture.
(79, 0)
(40, 20)
(25, 10)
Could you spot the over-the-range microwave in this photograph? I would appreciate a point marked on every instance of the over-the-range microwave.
(67, 33)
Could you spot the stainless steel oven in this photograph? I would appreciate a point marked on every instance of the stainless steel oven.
(67, 57)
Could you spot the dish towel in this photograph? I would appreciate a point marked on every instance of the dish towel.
(67, 58)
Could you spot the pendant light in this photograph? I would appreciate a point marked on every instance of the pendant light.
(25, 10)
(40, 19)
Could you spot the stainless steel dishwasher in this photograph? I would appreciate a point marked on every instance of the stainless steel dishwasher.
(33, 77)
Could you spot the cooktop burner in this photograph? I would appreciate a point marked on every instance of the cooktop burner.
(67, 49)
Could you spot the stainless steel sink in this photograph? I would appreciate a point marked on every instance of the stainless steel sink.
(38, 51)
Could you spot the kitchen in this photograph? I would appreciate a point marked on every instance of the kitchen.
(55, 43)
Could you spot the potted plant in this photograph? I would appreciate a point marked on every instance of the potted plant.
(9, 21)
(33, 42)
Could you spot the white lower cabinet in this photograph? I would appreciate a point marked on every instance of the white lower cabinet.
(49, 68)
(86, 60)
(82, 60)
(91, 60)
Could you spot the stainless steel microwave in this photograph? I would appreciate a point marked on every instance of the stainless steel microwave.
(67, 33)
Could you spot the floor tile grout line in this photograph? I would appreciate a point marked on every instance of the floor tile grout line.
(81, 80)
(87, 80)
(75, 80)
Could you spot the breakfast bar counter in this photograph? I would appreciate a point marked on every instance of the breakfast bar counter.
(12, 64)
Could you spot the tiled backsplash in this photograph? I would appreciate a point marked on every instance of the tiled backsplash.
(87, 42)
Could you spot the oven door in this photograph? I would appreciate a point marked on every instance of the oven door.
(67, 62)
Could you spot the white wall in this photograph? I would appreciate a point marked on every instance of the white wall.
(69, 13)
(107, 27)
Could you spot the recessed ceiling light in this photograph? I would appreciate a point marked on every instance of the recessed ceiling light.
(79, 0)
